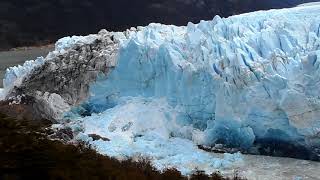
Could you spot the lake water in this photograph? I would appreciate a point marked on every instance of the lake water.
(256, 167)
(13, 58)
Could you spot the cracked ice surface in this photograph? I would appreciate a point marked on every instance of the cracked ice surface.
(235, 81)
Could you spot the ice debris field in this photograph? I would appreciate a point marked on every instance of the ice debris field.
(235, 81)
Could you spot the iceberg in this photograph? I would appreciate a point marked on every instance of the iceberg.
(161, 90)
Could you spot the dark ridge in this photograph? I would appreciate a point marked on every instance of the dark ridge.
(39, 22)
(27, 153)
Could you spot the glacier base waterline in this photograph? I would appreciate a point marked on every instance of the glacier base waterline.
(248, 81)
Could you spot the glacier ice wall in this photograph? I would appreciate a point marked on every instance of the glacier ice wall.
(233, 81)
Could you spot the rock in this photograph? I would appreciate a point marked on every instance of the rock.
(219, 149)
(96, 137)
(64, 134)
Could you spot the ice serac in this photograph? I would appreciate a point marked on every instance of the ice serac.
(237, 81)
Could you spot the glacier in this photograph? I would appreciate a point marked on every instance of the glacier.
(240, 81)
(237, 80)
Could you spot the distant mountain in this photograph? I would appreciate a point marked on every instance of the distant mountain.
(32, 22)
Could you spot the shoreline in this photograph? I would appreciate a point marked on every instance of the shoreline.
(28, 48)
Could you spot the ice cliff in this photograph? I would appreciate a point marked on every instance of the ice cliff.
(238, 81)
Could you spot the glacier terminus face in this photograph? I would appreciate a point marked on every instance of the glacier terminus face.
(242, 81)
(233, 81)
